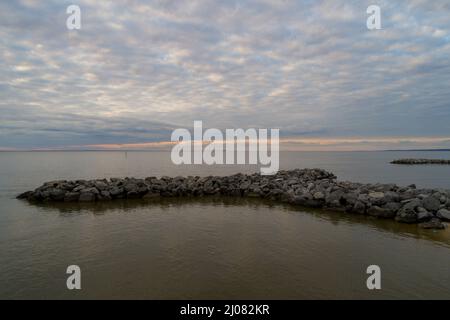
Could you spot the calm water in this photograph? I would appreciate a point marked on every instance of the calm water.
(219, 248)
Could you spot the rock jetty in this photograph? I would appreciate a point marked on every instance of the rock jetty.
(421, 161)
(314, 188)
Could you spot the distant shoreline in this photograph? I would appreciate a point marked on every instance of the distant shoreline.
(168, 150)
(393, 150)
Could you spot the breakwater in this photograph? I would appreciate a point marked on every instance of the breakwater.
(420, 161)
(314, 188)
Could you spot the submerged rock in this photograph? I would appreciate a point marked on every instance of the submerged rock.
(433, 224)
(379, 212)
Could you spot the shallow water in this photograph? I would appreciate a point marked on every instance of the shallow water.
(212, 247)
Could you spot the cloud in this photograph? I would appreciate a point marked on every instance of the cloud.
(138, 69)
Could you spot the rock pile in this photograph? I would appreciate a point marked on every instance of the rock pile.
(421, 161)
(304, 187)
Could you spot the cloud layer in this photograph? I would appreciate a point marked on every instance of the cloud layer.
(138, 69)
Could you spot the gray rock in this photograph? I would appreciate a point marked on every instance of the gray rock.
(359, 208)
(421, 161)
(391, 196)
(130, 187)
(90, 190)
(253, 194)
(319, 196)
(412, 204)
(307, 201)
(57, 194)
(379, 212)
(376, 195)
(244, 186)
(275, 193)
(444, 214)
(104, 195)
(24, 195)
(393, 206)
(433, 224)
(87, 197)
(422, 196)
(431, 203)
(407, 213)
(79, 188)
(364, 198)
(71, 197)
(116, 191)
(334, 197)
(423, 215)
(349, 199)
(133, 194)
(406, 216)
(101, 185)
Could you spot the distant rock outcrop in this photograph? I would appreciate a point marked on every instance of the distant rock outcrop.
(421, 161)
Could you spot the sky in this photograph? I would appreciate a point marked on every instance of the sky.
(137, 70)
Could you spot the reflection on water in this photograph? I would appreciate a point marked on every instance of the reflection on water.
(216, 248)
(222, 248)
(382, 225)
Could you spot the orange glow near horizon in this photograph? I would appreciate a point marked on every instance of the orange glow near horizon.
(307, 144)
(286, 144)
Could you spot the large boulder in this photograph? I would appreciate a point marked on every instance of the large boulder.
(412, 204)
(116, 192)
(104, 195)
(101, 185)
(349, 199)
(392, 196)
(377, 198)
(393, 206)
(57, 194)
(359, 207)
(423, 214)
(319, 195)
(87, 197)
(78, 188)
(333, 198)
(90, 190)
(444, 214)
(431, 203)
(408, 214)
(71, 196)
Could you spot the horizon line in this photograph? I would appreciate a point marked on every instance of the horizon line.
(165, 150)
